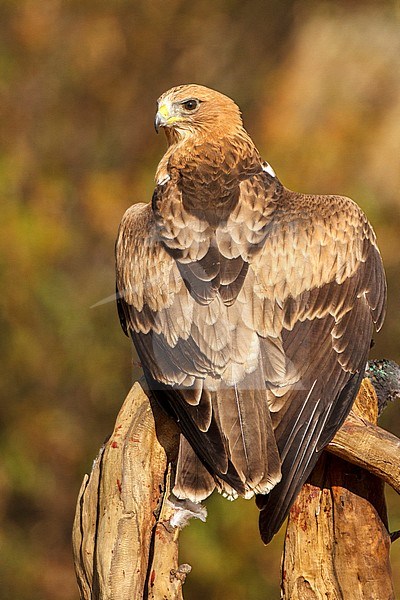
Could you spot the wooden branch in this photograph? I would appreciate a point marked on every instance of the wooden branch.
(336, 538)
(337, 543)
(123, 545)
(361, 442)
(369, 447)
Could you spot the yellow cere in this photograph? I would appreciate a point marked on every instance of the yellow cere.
(163, 110)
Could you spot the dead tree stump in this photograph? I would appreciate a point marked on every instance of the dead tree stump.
(124, 547)
(336, 544)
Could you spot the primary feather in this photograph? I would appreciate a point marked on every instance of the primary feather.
(251, 307)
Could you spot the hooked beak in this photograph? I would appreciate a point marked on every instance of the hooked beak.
(162, 116)
(165, 117)
(157, 122)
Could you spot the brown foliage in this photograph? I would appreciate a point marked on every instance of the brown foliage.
(319, 89)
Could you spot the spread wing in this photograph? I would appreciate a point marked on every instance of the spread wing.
(253, 330)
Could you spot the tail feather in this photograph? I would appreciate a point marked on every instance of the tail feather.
(192, 480)
(246, 423)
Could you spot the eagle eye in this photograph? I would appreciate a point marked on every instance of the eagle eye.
(190, 104)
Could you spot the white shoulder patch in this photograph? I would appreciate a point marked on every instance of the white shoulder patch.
(268, 169)
(163, 180)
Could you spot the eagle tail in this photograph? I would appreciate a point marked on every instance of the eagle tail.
(245, 422)
(233, 449)
(192, 480)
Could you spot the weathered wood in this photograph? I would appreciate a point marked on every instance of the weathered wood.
(337, 543)
(123, 545)
(369, 447)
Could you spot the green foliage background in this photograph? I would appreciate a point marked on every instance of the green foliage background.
(319, 86)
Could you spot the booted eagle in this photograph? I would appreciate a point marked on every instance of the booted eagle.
(251, 307)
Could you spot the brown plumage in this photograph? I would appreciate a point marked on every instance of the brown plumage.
(251, 307)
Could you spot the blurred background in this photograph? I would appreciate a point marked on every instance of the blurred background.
(319, 87)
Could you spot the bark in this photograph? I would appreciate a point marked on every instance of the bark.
(337, 543)
(123, 545)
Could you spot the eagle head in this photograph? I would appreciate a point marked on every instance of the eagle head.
(190, 110)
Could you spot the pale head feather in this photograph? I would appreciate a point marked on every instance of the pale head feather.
(214, 113)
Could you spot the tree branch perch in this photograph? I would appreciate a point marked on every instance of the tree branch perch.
(337, 543)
